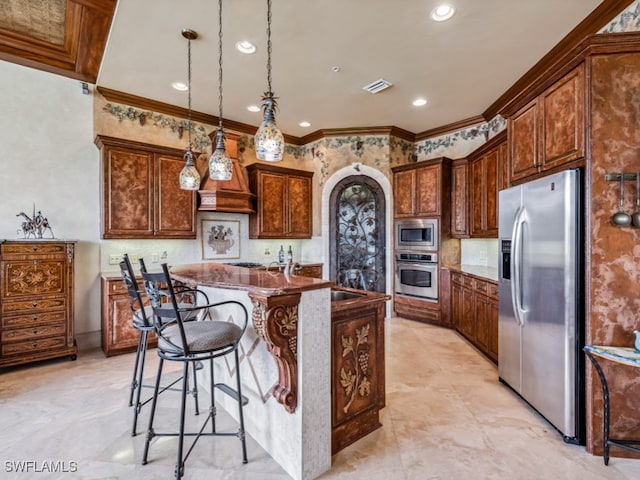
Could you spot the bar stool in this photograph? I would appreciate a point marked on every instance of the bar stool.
(190, 342)
(140, 316)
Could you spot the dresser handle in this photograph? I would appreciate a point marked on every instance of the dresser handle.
(34, 318)
(35, 249)
(35, 304)
(35, 330)
(35, 344)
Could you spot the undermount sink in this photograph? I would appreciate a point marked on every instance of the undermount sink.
(337, 295)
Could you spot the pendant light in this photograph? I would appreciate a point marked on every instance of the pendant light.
(269, 140)
(220, 167)
(189, 176)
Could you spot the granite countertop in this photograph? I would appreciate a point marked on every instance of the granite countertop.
(481, 271)
(251, 279)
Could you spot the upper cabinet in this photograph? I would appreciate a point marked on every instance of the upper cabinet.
(486, 167)
(283, 202)
(418, 188)
(549, 130)
(141, 197)
(459, 198)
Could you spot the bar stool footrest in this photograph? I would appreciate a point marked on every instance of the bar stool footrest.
(231, 392)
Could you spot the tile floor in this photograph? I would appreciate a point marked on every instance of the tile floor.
(447, 417)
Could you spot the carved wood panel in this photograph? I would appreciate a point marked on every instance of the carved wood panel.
(28, 278)
(459, 192)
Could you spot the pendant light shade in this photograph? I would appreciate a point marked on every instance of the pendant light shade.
(189, 176)
(220, 167)
(269, 140)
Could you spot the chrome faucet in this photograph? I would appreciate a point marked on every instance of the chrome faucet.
(288, 268)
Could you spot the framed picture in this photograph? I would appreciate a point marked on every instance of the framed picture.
(220, 239)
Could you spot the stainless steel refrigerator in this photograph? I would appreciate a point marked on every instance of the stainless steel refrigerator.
(540, 315)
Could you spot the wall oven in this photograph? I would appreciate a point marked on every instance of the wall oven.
(417, 275)
(417, 234)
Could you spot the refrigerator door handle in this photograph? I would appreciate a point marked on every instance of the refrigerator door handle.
(516, 266)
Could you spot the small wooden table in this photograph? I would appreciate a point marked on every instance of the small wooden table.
(626, 356)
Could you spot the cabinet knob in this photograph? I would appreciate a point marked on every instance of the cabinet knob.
(34, 248)
(35, 344)
(35, 331)
(35, 317)
(35, 304)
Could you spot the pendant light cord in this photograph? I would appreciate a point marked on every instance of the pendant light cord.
(269, 46)
(220, 63)
(189, 90)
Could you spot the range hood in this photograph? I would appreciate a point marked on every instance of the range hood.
(227, 195)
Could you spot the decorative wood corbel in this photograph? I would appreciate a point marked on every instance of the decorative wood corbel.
(275, 320)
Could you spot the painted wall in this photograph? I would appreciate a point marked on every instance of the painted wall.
(48, 159)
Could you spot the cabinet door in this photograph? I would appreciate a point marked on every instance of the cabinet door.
(428, 191)
(299, 203)
(523, 142)
(476, 198)
(127, 193)
(456, 306)
(459, 202)
(175, 209)
(493, 331)
(468, 315)
(481, 304)
(561, 112)
(272, 194)
(403, 193)
(491, 176)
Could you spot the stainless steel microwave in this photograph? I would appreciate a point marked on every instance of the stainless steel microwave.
(417, 234)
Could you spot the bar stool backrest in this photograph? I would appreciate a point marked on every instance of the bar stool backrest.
(140, 319)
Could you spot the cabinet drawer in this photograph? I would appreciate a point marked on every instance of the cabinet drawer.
(32, 346)
(480, 286)
(26, 278)
(467, 281)
(35, 318)
(493, 290)
(456, 277)
(32, 333)
(53, 303)
(31, 249)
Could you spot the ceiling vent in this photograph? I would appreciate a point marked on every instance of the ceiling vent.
(377, 86)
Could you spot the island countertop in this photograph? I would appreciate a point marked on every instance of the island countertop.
(250, 279)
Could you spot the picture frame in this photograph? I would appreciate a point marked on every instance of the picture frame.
(220, 239)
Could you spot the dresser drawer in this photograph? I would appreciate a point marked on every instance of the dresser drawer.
(456, 277)
(35, 318)
(26, 278)
(51, 303)
(32, 333)
(33, 346)
(33, 249)
(493, 290)
(467, 281)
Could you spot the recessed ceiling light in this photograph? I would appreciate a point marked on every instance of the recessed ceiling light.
(335, 69)
(443, 12)
(304, 124)
(245, 46)
(180, 86)
(253, 108)
(419, 102)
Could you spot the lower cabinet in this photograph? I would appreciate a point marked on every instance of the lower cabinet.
(118, 333)
(474, 311)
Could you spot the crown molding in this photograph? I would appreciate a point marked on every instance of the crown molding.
(451, 127)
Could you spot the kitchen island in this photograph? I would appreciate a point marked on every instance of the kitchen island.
(289, 409)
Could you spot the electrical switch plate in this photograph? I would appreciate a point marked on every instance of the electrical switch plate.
(115, 259)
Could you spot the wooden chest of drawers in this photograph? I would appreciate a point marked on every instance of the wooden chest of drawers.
(36, 300)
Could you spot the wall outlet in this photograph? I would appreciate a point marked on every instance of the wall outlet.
(267, 252)
(155, 258)
(115, 259)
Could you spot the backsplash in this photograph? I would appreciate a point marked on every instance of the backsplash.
(479, 251)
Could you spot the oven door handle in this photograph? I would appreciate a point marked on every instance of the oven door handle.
(412, 264)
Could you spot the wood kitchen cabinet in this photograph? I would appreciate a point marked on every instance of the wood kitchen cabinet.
(118, 333)
(474, 310)
(549, 130)
(459, 199)
(418, 188)
(485, 180)
(36, 302)
(283, 202)
(141, 196)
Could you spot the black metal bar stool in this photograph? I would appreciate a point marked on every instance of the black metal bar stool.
(191, 342)
(140, 316)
